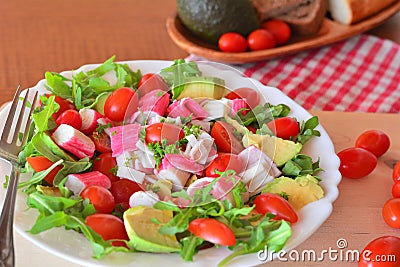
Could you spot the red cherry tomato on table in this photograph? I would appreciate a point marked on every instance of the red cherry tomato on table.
(356, 162)
(157, 132)
(106, 164)
(251, 96)
(383, 251)
(276, 205)
(279, 29)
(232, 42)
(122, 191)
(285, 127)
(121, 104)
(224, 138)
(41, 163)
(64, 105)
(391, 212)
(396, 189)
(260, 39)
(375, 141)
(224, 162)
(100, 197)
(212, 231)
(150, 82)
(101, 141)
(70, 117)
(396, 172)
(108, 226)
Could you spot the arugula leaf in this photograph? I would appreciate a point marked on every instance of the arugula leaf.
(262, 114)
(39, 176)
(300, 165)
(307, 130)
(43, 120)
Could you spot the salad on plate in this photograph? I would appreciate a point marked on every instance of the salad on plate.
(167, 162)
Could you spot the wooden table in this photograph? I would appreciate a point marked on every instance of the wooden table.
(41, 35)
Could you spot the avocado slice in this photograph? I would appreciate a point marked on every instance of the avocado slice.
(203, 87)
(278, 149)
(300, 191)
(143, 232)
(209, 19)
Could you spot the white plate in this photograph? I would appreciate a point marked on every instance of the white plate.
(74, 247)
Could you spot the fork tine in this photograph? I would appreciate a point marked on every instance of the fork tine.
(20, 117)
(7, 125)
(28, 124)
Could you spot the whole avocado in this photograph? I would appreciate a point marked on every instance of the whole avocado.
(209, 19)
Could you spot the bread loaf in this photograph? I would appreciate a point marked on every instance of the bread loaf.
(351, 11)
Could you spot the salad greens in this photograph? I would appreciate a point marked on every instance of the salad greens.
(60, 208)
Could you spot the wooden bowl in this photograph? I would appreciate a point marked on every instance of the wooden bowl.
(329, 33)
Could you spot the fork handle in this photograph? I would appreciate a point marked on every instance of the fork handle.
(7, 258)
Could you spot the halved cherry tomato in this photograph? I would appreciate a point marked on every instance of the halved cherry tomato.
(277, 205)
(41, 163)
(286, 128)
(383, 251)
(64, 105)
(260, 39)
(226, 141)
(391, 212)
(101, 141)
(232, 42)
(157, 132)
(396, 172)
(70, 117)
(100, 197)
(375, 141)
(150, 82)
(224, 162)
(106, 164)
(356, 162)
(121, 104)
(212, 231)
(396, 189)
(108, 226)
(251, 96)
(122, 191)
(279, 29)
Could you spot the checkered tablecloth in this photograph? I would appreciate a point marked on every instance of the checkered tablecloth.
(361, 73)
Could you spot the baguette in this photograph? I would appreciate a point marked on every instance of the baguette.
(351, 11)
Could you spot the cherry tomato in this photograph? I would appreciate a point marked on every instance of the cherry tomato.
(260, 39)
(251, 96)
(279, 29)
(70, 117)
(276, 205)
(108, 227)
(226, 141)
(224, 162)
(122, 191)
(212, 231)
(106, 164)
(396, 172)
(391, 212)
(383, 251)
(285, 127)
(157, 132)
(356, 162)
(375, 141)
(100, 197)
(232, 42)
(121, 103)
(396, 189)
(101, 141)
(41, 163)
(64, 105)
(150, 82)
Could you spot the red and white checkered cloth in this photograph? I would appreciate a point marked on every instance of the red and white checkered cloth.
(361, 73)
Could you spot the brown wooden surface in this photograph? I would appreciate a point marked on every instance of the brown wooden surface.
(41, 35)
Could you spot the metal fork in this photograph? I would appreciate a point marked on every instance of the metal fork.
(9, 151)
